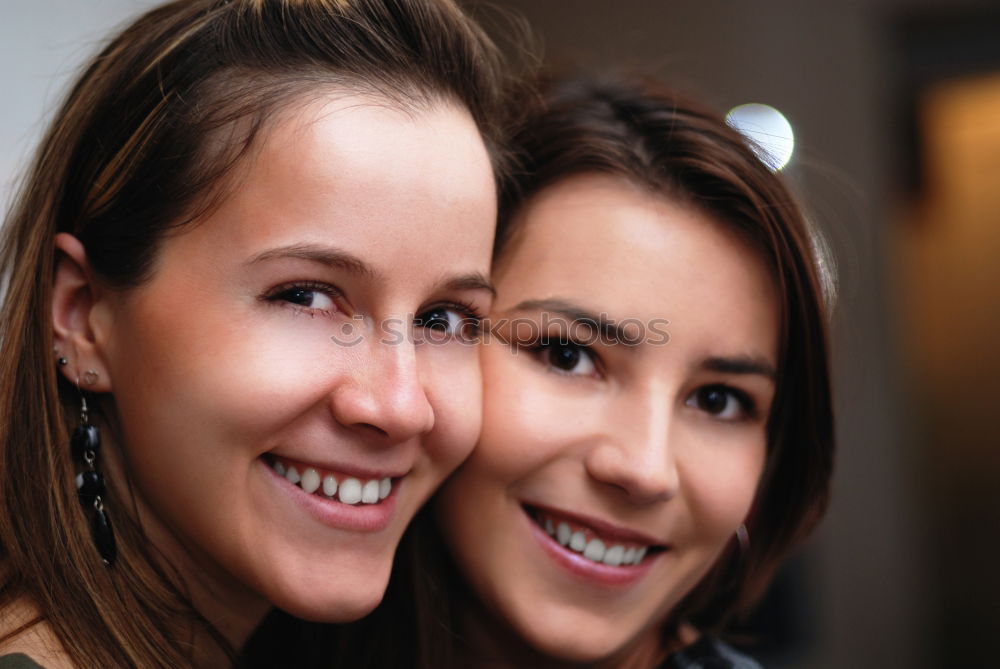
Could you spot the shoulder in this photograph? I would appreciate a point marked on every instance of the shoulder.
(710, 653)
(27, 642)
(18, 661)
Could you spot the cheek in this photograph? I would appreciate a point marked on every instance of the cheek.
(473, 500)
(247, 377)
(511, 440)
(453, 383)
(525, 423)
(720, 480)
(207, 382)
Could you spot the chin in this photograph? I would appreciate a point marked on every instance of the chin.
(583, 644)
(579, 651)
(335, 595)
(343, 610)
(339, 607)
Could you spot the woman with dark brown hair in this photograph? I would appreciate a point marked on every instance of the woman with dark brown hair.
(657, 428)
(239, 281)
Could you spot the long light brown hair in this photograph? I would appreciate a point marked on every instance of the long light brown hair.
(144, 144)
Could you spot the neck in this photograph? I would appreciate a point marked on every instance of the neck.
(232, 609)
(490, 643)
(233, 612)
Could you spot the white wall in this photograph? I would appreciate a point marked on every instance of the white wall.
(43, 43)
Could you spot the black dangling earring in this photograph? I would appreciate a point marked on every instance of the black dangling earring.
(86, 443)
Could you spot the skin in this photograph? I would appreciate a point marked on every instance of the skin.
(629, 435)
(225, 357)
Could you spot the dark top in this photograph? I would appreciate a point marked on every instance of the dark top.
(18, 661)
(709, 653)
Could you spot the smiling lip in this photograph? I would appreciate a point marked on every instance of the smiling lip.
(335, 514)
(600, 527)
(588, 570)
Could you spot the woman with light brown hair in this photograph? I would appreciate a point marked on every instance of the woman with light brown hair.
(240, 280)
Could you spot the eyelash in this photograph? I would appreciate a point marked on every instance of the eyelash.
(280, 294)
(471, 315)
(748, 410)
(543, 349)
(748, 407)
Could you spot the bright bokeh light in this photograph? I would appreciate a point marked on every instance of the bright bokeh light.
(769, 131)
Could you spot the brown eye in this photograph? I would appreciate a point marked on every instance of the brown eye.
(564, 357)
(435, 319)
(300, 296)
(456, 320)
(721, 402)
(567, 358)
(312, 298)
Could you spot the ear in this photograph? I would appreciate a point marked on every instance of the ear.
(78, 316)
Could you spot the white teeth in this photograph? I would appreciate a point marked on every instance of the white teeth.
(350, 491)
(329, 486)
(613, 556)
(369, 493)
(310, 480)
(594, 550)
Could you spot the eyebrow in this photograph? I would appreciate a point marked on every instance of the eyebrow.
(741, 365)
(340, 259)
(748, 364)
(608, 329)
(326, 255)
(471, 281)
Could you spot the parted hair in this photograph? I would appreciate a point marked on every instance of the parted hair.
(642, 131)
(149, 139)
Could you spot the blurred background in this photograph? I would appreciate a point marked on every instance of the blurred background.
(895, 110)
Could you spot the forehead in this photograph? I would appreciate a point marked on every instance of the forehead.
(624, 251)
(377, 180)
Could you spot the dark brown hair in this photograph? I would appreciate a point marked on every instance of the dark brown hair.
(147, 141)
(643, 132)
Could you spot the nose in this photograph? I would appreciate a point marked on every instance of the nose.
(384, 396)
(637, 457)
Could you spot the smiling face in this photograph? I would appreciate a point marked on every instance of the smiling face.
(276, 335)
(610, 477)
